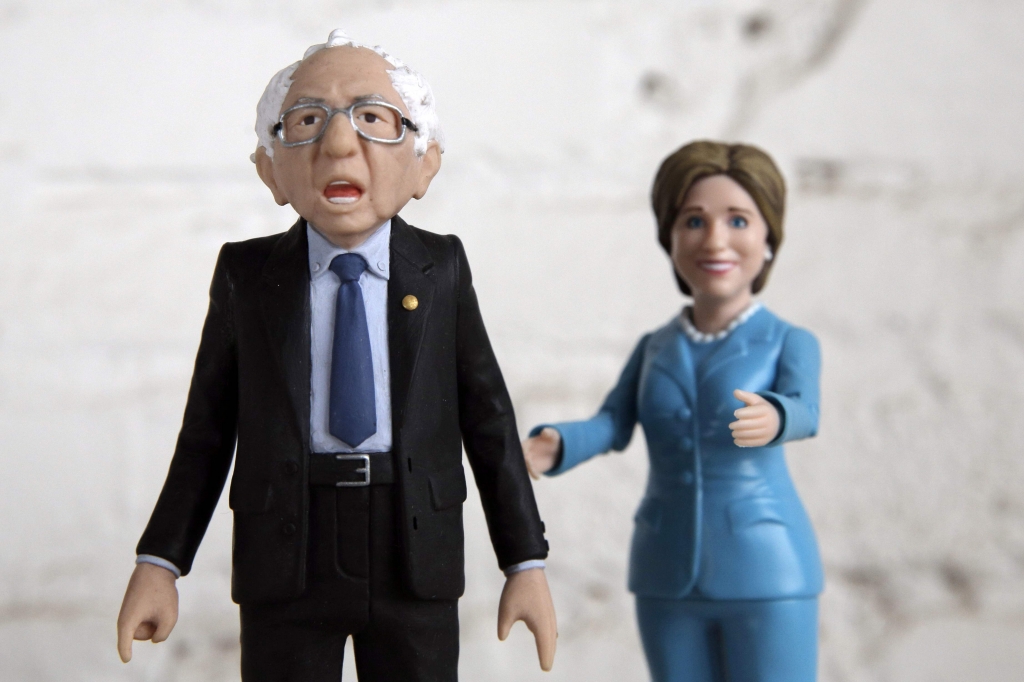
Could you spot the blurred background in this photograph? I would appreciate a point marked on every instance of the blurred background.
(127, 128)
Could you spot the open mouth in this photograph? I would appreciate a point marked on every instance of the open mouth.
(342, 192)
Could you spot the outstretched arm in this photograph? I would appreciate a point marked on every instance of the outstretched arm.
(555, 448)
(526, 597)
(790, 410)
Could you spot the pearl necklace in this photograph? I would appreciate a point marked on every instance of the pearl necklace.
(697, 336)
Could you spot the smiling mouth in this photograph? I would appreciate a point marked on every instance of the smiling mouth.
(716, 266)
(342, 192)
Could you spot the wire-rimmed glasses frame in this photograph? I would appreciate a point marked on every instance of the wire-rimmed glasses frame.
(349, 111)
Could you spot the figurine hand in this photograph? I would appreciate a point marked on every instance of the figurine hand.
(756, 424)
(541, 451)
(149, 609)
(526, 597)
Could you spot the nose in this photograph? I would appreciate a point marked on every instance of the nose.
(716, 237)
(340, 138)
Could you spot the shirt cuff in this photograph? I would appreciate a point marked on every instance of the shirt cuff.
(162, 563)
(524, 566)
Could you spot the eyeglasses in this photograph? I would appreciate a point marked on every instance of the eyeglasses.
(374, 121)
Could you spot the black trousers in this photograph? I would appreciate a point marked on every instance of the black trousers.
(355, 587)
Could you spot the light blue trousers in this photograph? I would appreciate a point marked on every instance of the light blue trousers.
(772, 640)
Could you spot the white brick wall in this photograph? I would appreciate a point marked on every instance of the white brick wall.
(124, 165)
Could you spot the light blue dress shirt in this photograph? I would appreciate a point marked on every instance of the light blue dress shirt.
(323, 295)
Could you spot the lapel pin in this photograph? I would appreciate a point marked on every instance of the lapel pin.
(410, 302)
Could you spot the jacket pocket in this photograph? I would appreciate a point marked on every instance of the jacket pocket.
(754, 510)
(448, 487)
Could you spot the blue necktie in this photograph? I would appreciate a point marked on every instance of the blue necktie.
(353, 412)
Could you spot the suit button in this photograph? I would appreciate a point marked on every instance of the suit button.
(687, 443)
(289, 529)
(688, 477)
(291, 467)
(683, 413)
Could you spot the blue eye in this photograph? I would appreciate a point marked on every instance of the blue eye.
(737, 221)
(694, 222)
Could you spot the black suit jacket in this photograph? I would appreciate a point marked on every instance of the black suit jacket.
(251, 385)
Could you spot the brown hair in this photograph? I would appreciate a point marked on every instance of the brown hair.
(750, 167)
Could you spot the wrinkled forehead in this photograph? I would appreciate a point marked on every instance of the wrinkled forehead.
(339, 75)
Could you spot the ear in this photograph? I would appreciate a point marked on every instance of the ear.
(430, 164)
(265, 169)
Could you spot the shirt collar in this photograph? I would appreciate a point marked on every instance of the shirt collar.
(376, 250)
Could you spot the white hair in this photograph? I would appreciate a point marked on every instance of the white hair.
(409, 84)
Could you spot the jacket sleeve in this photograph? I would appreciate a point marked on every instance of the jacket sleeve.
(490, 435)
(796, 392)
(206, 442)
(611, 428)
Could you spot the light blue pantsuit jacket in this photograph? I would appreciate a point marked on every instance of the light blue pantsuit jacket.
(717, 522)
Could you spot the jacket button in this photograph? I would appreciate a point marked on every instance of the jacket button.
(291, 467)
(688, 477)
(289, 529)
(687, 443)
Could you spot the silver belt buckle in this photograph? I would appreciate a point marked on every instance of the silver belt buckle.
(364, 470)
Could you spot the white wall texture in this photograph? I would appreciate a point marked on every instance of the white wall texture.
(124, 165)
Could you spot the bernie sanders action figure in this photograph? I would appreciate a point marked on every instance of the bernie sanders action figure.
(345, 364)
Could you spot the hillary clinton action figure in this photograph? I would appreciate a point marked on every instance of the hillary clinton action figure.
(723, 562)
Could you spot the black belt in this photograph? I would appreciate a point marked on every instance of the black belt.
(351, 470)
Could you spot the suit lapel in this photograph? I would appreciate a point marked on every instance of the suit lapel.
(740, 343)
(672, 356)
(284, 299)
(410, 267)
